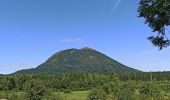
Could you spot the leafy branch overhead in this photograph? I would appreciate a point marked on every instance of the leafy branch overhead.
(157, 15)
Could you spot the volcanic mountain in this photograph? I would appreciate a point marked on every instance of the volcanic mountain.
(78, 60)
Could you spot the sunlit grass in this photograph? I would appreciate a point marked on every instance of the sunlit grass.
(75, 95)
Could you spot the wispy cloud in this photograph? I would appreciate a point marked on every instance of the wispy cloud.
(71, 40)
(75, 40)
(118, 2)
(149, 52)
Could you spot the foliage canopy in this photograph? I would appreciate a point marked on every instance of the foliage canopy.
(157, 15)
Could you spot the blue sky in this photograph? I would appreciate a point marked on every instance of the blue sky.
(33, 30)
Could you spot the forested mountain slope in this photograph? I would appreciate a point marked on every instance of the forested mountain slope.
(78, 60)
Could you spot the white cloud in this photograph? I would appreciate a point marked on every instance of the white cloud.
(71, 40)
(118, 2)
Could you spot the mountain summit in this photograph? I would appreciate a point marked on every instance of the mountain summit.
(78, 60)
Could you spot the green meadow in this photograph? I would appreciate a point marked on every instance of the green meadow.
(75, 95)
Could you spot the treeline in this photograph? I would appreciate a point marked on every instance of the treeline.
(145, 76)
(60, 82)
(135, 86)
(76, 81)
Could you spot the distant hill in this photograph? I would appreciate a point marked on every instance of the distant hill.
(78, 60)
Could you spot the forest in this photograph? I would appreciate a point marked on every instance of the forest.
(96, 86)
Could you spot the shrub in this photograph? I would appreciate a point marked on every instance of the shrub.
(97, 94)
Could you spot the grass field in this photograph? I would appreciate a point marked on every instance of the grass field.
(11, 95)
(75, 95)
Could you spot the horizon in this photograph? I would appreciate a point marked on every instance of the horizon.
(31, 31)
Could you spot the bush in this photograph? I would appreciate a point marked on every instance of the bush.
(150, 89)
(97, 94)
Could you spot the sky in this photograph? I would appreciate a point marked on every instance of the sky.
(33, 30)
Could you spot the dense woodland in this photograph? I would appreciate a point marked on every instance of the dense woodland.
(60, 82)
(102, 85)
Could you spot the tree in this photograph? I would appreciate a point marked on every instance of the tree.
(157, 15)
(35, 90)
(127, 90)
(7, 84)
